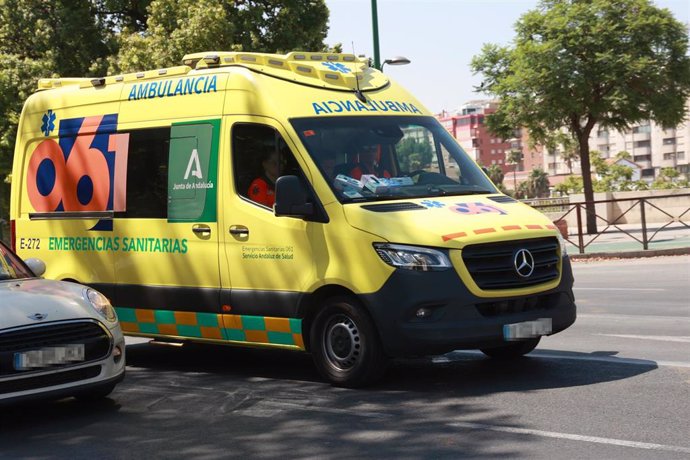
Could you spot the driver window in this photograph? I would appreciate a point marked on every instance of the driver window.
(260, 156)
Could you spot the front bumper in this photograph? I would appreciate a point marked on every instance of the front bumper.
(458, 319)
(66, 381)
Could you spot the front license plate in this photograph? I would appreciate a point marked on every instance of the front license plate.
(527, 329)
(49, 356)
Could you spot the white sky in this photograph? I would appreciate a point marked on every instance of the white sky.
(440, 37)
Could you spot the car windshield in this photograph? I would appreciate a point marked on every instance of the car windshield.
(11, 267)
(384, 158)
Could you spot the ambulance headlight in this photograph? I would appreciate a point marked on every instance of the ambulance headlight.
(101, 304)
(412, 257)
(562, 242)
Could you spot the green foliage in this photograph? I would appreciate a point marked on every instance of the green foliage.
(252, 25)
(413, 154)
(669, 178)
(537, 184)
(572, 184)
(576, 63)
(496, 175)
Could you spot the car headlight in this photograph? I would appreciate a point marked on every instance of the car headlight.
(412, 257)
(101, 304)
(561, 240)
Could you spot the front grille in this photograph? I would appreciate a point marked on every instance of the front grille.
(519, 305)
(95, 338)
(49, 380)
(492, 265)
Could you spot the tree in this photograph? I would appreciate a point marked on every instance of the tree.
(669, 178)
(413, 154)
(496, 175)
(252, 25)
(575, 64)
(572, 184)
(537, 184)
(514, 157)
(38, 39)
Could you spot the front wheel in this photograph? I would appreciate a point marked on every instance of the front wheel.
(512, 350)
(345, 345)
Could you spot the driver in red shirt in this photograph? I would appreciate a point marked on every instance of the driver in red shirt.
(262, 189)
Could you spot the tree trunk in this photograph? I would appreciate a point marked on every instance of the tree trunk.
(583, 140)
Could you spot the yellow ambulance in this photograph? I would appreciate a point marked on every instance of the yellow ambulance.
(301, 201)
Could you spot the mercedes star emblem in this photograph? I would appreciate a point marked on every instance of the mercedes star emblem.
(523, 263)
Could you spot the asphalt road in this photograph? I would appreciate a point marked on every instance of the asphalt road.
(615, 385)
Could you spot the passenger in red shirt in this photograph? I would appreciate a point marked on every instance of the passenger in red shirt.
(368, 163)
(262, 189)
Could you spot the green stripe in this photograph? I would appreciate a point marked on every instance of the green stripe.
(282, 338)
(189, 331)
(295, 326)
(126, 315)
(207, 319)
(148, 328)
(164, 316)
(235, 334)
(253, 323)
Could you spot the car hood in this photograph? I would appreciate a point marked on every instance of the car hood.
(57, 300)
(451, 222)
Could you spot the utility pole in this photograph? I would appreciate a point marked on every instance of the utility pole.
(375, 28)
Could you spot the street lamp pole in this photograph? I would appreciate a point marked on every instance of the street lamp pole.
(375, 28)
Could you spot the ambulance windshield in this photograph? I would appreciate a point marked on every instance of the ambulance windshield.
(383, 158)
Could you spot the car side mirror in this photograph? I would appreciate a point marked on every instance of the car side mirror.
(291, 198)
(36, 265)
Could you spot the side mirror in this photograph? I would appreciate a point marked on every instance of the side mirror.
(36, 265)
(291, 198)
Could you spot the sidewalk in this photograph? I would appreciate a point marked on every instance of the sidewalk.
(616, 243)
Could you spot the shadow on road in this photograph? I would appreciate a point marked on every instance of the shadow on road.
(219, 402)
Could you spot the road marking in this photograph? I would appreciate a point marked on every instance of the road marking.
(642, 317)
(662, 338)
(576, 288)
(605, 359)
(573, 437)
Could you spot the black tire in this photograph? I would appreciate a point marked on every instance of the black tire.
(512, 350)
(345, 344)
(96, 393)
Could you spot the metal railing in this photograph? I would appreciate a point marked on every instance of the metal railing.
(581, 211)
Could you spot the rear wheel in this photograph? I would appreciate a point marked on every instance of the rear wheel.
(513, 349)
(345, 345)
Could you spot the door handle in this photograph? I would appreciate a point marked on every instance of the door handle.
(239, 230)
(201, 229)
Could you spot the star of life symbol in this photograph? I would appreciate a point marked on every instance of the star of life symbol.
(337, 67)
(194, 161)
(48, 122)
(432, 204)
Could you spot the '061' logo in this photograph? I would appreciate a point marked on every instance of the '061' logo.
(476, 208)
(84, 171)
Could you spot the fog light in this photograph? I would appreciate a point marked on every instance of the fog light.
(117, 353)
(423, 313)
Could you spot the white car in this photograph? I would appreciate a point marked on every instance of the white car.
(57, 339)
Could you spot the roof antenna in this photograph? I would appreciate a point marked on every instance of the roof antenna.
(358, 92)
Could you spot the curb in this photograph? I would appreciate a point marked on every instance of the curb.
(631, 254)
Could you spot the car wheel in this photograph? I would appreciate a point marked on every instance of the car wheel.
(345, 344)
(512, 350)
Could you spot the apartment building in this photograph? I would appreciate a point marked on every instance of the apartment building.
(651, 146)
(467, 125)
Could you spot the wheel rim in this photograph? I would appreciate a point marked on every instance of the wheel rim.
(342, 343)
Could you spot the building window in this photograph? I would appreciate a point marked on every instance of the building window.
(669, 141)
(642, 158)
(680, 155)
(602, 133)
(649, 172)
(669, 156)
(640, 144)
(642, 129)
(493, 151)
